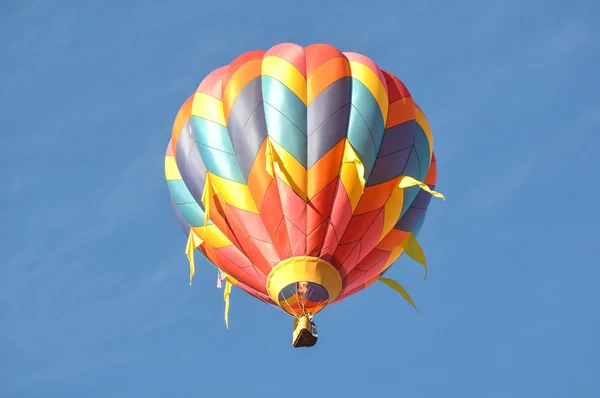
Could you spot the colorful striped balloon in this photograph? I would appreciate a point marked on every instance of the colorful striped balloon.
(302, 173)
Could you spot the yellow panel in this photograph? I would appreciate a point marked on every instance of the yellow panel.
(209, 108)
(422, 121)
(366, 76)
(213, 236)
(234, 193)
(259, 179)
(293, 173)
(286, 73)
(393, 257)
(392, 211)
(171, 170)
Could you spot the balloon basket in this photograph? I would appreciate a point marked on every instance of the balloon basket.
(305, 333)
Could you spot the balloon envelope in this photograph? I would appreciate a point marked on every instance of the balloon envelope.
(287, 166)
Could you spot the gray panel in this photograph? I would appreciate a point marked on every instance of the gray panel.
(246, 124)
(327, 103)
(190, 164)
(327, 135)
(183, 223)
(252, 137)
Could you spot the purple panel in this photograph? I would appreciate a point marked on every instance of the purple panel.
(389, 167)
(410, 219)
(398, 137)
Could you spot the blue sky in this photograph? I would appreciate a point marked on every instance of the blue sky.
(94, 295)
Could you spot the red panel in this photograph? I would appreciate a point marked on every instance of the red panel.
(431, 177)
(342, 252)
(272, 215)
(341, 213)
(377, 267)
(354, 277)
(292, 53)
(371, 236)
(217, 206)
(255, 293)
(314, 240)
(282, 241)
(268, 253)
(396, 89)
(294, 207)
(213, 83)
(258, 259)
(234, 263)
(297, 239)
(330, 243)
(318, 54)
(358, 226)
(238, 230)
(372, 258)
(392, 239)
(320, 206)
(239, 62)
(252, 223)
(350, 261)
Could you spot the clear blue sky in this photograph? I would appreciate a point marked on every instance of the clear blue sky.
(94, 294)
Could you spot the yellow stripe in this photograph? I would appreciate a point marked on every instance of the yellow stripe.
(293, 173)
(286, 73)
(171, 170)
(422, 121)
(396, 253)
(209, 108)
(213, 236)
(234, 193)
(366, 76)
(392, 211)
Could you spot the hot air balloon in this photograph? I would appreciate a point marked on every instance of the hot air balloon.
(301, 174)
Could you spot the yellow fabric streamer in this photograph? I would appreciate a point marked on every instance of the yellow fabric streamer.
(207, 194)
(270, 155)
(192, 243)
(350, 156)
(413, 249)
(407, 182)
(226, 294)
(398, 288)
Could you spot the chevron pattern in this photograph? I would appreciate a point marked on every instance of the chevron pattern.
(309, 109)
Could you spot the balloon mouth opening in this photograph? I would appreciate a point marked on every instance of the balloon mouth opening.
(303, 285)
(300, 298)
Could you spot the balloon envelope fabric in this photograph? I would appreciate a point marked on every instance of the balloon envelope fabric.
(289, 168)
